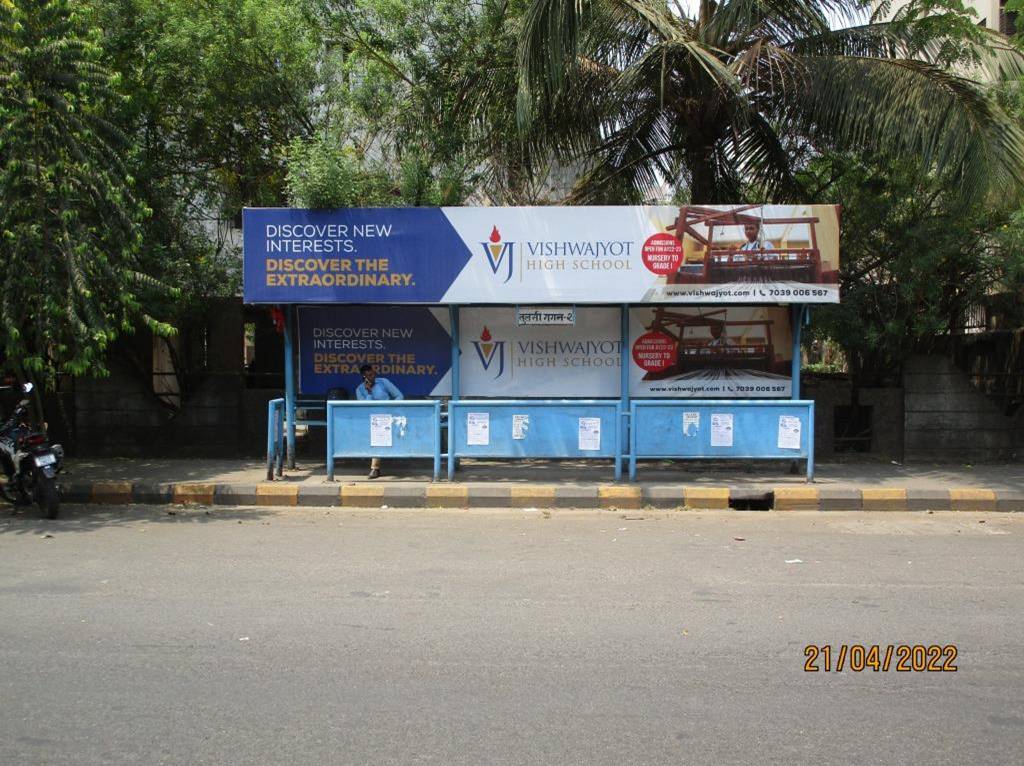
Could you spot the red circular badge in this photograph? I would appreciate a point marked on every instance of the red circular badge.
(655, 351)
(662, 254)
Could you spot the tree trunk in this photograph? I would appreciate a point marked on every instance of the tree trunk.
(700, 163)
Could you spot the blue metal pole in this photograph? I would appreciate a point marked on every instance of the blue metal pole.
(330, 442)
(624, 356)
(810, 443)
(632, 442)
(279, 436)
(618, 442)
(453, 315)
(271, 438)
(437, 440)
(452, 413)
(289, 382)
(797, 323)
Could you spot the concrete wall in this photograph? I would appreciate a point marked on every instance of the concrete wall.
(222, 410)
(116, 416)
(221, 417)
(948, 420)
(218, 416)
(830, 392)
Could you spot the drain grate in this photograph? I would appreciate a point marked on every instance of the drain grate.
(751, 500)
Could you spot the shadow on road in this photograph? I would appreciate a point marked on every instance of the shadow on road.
(88, 518)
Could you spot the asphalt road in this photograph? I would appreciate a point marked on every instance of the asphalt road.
(308, 637)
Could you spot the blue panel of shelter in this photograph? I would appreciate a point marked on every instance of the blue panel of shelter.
(723, 428)
(535, 428)
(383, 429)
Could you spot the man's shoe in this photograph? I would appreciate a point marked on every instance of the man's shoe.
(374, 474)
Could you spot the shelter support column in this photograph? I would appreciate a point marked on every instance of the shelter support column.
(797, 312)
(453, 314)
(624, 357)
(289, 381)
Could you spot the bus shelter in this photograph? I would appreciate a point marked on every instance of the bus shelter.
(620, 333)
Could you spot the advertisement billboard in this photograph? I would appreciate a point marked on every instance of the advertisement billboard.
(673, 351)
(695, 254)
(505, 359)
(408, 345)
(710, 352)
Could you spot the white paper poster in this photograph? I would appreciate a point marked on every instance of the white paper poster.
(721, 429)
(590, 434)
(789, 432)
(380, 430)
(691, 423)
(520, 425)
(478, 429)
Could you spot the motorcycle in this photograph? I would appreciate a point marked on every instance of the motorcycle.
(29, 461)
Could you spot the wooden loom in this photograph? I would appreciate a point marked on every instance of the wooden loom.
(724, 264)
(718, 351)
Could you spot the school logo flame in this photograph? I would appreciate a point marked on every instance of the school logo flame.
(499, 254)
(488, 349)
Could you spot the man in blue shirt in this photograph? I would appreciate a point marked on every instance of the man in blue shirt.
(375, 389)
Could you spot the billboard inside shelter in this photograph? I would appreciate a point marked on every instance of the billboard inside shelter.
(501, 358)
(696, 254)
(673, 351)
(710, 352)
(408, 345)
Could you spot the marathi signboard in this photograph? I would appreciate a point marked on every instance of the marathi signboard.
(695, 254)
(408, 345)
(545, 315)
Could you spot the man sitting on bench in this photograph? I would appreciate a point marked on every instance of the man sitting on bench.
(374, 388)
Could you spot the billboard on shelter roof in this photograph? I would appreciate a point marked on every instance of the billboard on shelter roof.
(692, 254)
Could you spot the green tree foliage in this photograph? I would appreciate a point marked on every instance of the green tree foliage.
(420, 92)
(70, 278)
(730, 98)
(218, 90)
(132, 132)
(215, 91)
(324, 174)
(916, 260)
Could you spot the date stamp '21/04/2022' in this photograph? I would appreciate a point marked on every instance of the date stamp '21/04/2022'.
(902, 658)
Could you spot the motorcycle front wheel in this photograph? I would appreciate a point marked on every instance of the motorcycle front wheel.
(46, 495)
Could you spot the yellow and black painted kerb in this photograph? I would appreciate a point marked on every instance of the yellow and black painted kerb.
(497, 495)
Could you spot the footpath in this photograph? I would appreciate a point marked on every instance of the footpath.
(552, 484)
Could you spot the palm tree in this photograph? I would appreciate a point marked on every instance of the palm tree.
(729, 98)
